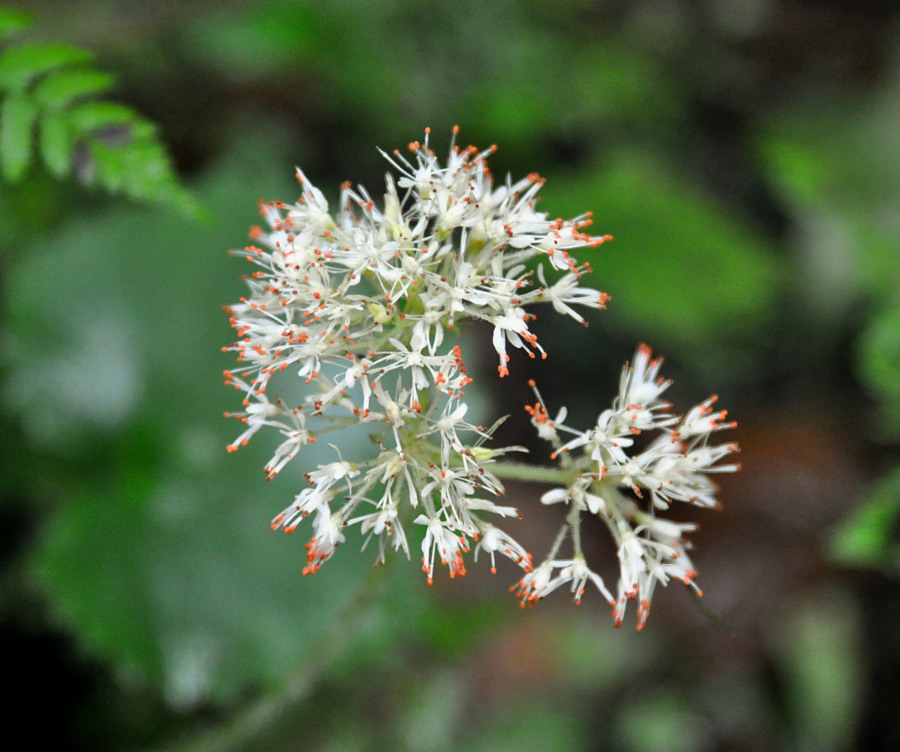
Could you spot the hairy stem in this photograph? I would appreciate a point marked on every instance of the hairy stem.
(533, 473)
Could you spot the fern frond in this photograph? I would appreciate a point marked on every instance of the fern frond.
(49, 95)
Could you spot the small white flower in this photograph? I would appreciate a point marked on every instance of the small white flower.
(577, 571)
(565, 293)
(326, 538)
(448, 545)
(493, 540)
(537, 584)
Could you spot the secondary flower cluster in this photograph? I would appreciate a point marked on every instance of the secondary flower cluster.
(357, 305)
(610, 476)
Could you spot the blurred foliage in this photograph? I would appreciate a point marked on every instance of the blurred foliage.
(868, 537)
(836, 165)
(169, 513)
(743, 157)
(720, 278)
(826, 691)
(52, 89)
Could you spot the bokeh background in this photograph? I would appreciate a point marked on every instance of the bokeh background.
(744, 154)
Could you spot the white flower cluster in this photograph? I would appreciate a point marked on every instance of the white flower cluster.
(610, 475)
(357, 305)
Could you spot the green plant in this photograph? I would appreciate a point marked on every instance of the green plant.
(51, 111)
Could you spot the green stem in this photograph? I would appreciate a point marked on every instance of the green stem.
(516, 471)
(574, 520)
(557, 543)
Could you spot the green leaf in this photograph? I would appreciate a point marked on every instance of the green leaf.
(92, 116)
(144, 131)
(799, 169)
(868, 538)
(879, 364)
(56, 144)
(122, 149)
(59, 89)
(141, 170)
(108, 171)
(12, 22)
(197, 601)
(17, 117)
(22, 64)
